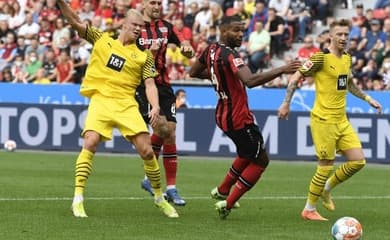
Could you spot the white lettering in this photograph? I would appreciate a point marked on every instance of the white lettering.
(303, 149)
(5, 114)
(24, 128)
(64, 122)
(383, 137)
(364, 137)
(270, 133)
(220, 139)
(180, 135)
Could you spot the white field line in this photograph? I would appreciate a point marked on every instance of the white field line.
(190, 198)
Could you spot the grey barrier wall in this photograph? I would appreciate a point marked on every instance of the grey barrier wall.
(58, 127)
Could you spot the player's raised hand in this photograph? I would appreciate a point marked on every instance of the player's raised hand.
(156, 44)
(292, 66)
(187, 51)
(284, 110)
(376, 105)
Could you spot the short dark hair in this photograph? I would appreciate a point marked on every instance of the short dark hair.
(227, 20)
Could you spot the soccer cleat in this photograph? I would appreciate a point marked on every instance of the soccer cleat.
(145, 185)
(173, 196)
(327, 201)
(222, 210)
(312, 215)
(216, 195)
(167, 209)
(78, 210)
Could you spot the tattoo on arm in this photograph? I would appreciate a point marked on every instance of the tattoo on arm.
(290, 92)
(355, 90)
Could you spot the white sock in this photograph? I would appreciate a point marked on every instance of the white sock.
(78, 199)
(309, 207)
(171, 187)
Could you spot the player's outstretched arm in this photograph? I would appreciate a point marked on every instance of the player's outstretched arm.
(257, 79)
(152, 96)
(72, 18)
(356, 91)
(284, 108)
(198, 70)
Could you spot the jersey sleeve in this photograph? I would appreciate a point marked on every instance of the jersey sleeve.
(92, 34)
(235, 61)
(312, 65)
(149, 69)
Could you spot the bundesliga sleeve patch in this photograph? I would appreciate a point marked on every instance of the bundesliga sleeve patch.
(238, 62)
(307, 65)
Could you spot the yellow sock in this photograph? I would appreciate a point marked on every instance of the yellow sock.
(317, 184)
(152, 171)
(344, 172)
(83, 170)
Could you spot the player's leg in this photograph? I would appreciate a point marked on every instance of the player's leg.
(142, 143)
(250, 146)
(83, 170)
(324, 136)
(350, 147)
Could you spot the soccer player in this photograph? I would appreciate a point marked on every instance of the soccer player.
(222, 64)
(331, 131)
(155, 36)
(115, 70)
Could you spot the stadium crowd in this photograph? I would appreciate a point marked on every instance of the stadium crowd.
(38, 46)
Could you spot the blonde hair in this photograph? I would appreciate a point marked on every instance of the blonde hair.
(341, 23)
(134, 12)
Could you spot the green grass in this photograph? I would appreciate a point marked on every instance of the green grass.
(36, 190)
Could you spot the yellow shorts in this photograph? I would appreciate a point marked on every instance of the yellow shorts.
(106, 113)
(329, 138)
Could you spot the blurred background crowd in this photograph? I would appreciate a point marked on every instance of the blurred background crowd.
(38, 46)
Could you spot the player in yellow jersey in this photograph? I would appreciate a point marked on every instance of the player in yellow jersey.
(331, 131)
(115, 70)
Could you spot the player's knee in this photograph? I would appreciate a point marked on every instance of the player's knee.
(163, 131)
(91, 140)
(146, 153)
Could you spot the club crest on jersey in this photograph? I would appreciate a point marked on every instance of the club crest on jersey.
(238, 62)
(307, 65)
(163, 29)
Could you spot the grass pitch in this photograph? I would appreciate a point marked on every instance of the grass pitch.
(36, 191)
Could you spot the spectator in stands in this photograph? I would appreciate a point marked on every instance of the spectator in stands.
(384, 52)
(8, 51)
(260, 14)
(189, 18)
(64, 68)
(29, 29)
(21, 46)
(366, 23)
(203, 18)
(7, 75)
(18, 65)
(258, 47)
(33, 64)
(323, 39)
(4, 30)
(50, 64)
(97, 22)
(308, 49)
(50, 11)
(212, 35)
(250, 7)
(17, 17)
(80, 56)
(60, 31)
(298, 15)
(173, 11)
(119, 13)
(36, 47)
(320, 9)
(45, 33)
(374, 38)
(358, 58)
(181, 97)
(87, 11)
(359, 18)
(386, 27)
(216, 15)
(104, 10)
(41, 77)
(281, 7)
(110, 28)
(185, 31)
(20, 77)
(275, 27)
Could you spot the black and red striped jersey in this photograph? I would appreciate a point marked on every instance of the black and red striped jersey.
(232, 112)
(163, 32)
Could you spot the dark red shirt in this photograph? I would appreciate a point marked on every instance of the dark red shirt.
(165, 33)
(223, 63)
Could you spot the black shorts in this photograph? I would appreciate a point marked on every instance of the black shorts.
(166, 99)
(249, 142)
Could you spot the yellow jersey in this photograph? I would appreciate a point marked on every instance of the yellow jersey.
(115, 70)
(331, 75)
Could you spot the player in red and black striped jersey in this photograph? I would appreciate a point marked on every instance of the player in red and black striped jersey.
(222, 64)
(155, 36)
